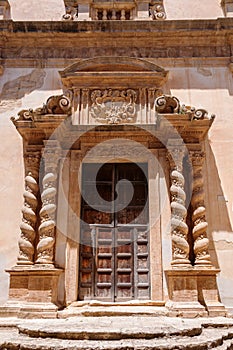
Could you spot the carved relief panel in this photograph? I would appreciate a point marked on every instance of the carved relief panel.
(114, 106)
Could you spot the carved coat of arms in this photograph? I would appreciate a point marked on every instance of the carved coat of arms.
(113, 106)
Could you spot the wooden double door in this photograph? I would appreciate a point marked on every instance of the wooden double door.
(114, 239)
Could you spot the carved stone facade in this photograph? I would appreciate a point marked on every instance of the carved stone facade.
(112, 107)
(124, 188)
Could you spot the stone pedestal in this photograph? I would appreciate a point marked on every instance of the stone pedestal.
(208, 292)
(193, 292)
(32, 292)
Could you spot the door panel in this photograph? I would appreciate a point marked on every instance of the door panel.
(114, 246)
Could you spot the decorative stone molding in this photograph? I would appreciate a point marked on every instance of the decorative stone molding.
(45, 246)
(29, 210)
(179, 228)
(166, 104)
(200, 225)
(54, 105)
(113, 106)
(71, 7)
(156, 10)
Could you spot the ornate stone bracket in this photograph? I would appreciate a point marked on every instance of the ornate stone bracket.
(200, 225)
(179, 228)
(156, 10)
(45, 246)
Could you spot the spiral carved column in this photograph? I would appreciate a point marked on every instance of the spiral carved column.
(200, 225)
(179, 228)
(45, 246)
(29, 221)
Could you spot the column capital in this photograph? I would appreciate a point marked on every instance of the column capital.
(197, 157)
(32, 162)
(176, 151)
(51, 153)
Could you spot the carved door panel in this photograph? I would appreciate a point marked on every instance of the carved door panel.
(114, 249)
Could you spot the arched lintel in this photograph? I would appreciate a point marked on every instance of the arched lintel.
(114, 64)
(114, 72)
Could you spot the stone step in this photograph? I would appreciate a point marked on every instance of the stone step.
(208, 340)
(110, 328)
(117, 333)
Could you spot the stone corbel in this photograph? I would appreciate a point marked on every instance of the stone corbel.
(28, 226)
(45, 246)
(179, 228)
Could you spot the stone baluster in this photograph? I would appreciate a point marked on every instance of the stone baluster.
(200, 225)
(122, 15)
(45, 246)
(29, 221)
(179, 228)
(104, 15)
(113, 14)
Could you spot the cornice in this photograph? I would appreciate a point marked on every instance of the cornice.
(198, 25)
(37, 43)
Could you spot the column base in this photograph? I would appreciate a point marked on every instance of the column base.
(28, 310)
(186, 309)
(193, 292)
(32, 292)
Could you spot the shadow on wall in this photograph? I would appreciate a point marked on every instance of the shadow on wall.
(217, 212)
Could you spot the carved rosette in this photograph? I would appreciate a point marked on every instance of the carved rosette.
(179, 228)
(45, 246)
(113, 106)
(29, 210)
(200, 225)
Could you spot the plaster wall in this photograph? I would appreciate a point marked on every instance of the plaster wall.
(209, 87)
(33, 10)
(184, 9)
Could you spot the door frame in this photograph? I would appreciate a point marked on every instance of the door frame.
(72, 210)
